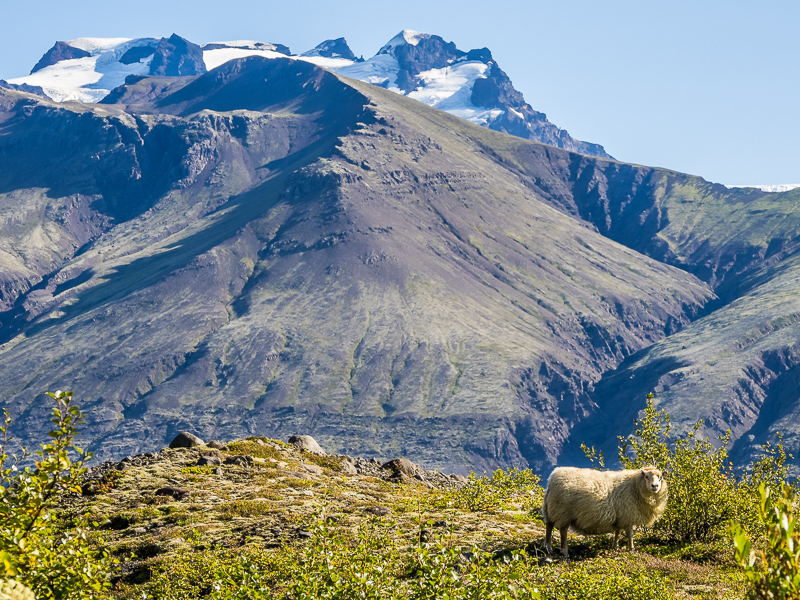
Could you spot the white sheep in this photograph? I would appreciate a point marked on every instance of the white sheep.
(592, 502)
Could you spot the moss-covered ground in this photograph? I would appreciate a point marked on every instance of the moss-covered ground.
(298, 520)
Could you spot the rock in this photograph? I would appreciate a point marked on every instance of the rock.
(185, 440)
(313, 469)
(305, 534)
(209, 461)
(14, 590)
(378, 511)
(217, 445)
(458, 478)
(177, 56)
(240, 460)
(399, 477)
(299, 475)
(140, 530)
(306, 442)
(348, 468)
(401, 465)
(175, 492)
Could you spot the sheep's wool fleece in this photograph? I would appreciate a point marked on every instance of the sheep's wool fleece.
(593, 502)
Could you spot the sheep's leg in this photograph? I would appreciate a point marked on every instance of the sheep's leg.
(615, 545)
(564, 531)
(548, 538)
(629, 531)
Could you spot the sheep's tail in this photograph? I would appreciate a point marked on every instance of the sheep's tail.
(543, 510)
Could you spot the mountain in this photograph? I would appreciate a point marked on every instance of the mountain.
(337, 48)
(271, 248)
(467, 84)
(87, 69)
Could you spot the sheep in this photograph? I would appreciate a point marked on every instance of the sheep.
(592, 502)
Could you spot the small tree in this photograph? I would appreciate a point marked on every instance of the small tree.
(773, 572)
(55, 564)
(705, 493)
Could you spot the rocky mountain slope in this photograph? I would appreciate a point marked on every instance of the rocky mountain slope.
(468, 84)
(267, 248)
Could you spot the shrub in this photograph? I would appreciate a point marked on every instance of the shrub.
(705, 493)
(491, 493)
(774, 571)
(602, 580)
(253, 448)
(55, 563)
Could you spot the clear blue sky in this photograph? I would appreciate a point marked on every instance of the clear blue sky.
(705, 88)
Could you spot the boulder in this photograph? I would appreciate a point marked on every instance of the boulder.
(306, 442)
(217, 445)
(348, 468)
(209, 461)
(378, 511)
(175, 492)
(402, 465)
(240, 460)
(313, 469)
(186, 440)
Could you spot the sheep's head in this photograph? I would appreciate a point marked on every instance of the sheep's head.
(653, 479)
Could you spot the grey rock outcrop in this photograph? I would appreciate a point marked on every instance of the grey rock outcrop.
(306, 442)
(402, 465)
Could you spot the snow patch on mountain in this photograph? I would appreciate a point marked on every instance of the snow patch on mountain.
(407, 36)
(91, 78)
(380, 70)
(771, 188)
(219, 56)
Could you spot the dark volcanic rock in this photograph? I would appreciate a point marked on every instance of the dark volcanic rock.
(137, 53)
(186, 440)
(60, 51)
(177, 56)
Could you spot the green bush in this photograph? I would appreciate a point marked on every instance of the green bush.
(490, 493)
(602, 580)
(55, 562)
(774, 571)
(705, 493)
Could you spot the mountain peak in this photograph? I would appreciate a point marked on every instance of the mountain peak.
(337, 48)
(407, 37)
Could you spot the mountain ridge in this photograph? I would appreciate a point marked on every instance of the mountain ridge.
(382, 224)
(469, 84)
